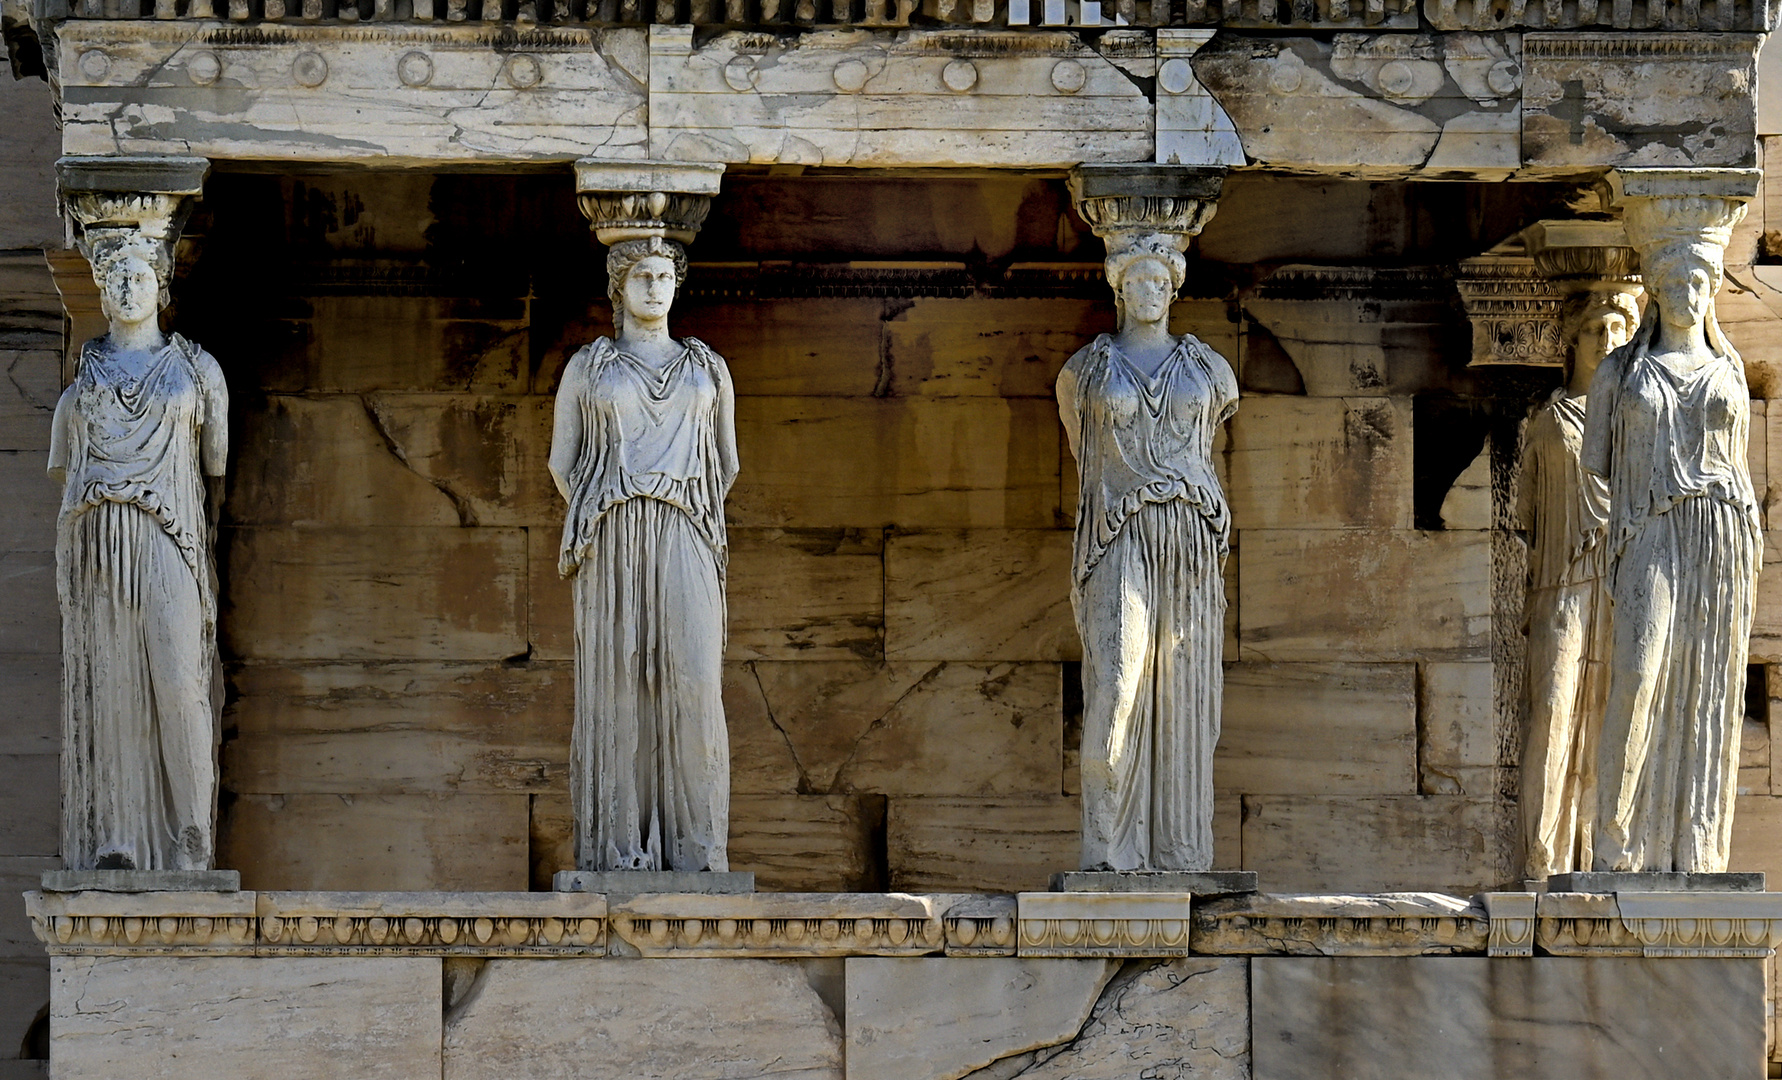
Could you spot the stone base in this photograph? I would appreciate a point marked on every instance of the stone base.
(1605, 882)
(623, 883)
(1198, 883)
(142, 881)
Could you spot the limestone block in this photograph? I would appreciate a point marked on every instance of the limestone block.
(938, 1019)
(968, 348)
(24, 992)
(32, 688)
(862, 98)
(374, 593)
(31, 523)
(643, 1018)
(1356, 331)
(287, 1018)
(1757, 453)
(1382, 843)
(1766, 622)
(550, 599)
(485, 454)
(979, 594)
(28, 397)
(1302, 462)
(399, 728)
(1754, 757)
(353, 343)
(1373, 1018)
(830, 346)
(395, 842)
(325, 461)
(1385, 104)
(1757, 835)
(1468, 502)
(392, 93)
(19, 874)
(1645, 100)
(931, 729)
(30, 804)
(1183, 1017)
(806, 594)
(1382, 924)
(30, 622)
(1364, 594)
(807, 843)
(1318, 728)
(775, 924)
(982, 845)
(762, 760)
(1456, 743)
(929, 462)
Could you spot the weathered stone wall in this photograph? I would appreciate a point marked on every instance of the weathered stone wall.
(30, 635)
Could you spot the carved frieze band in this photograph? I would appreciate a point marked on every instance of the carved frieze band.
(1514, 309)
(875, 924)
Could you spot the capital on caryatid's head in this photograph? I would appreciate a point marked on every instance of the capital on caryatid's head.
(134, 205)
(641, 200)
(1669, 208)
(1146, 206)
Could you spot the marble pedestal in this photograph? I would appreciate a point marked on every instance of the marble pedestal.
(142, 881)
(642, 882)
(1195, 883)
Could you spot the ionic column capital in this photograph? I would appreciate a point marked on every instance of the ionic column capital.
(1146, 205)
(638, 200)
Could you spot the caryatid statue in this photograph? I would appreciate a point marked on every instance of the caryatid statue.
(644, 453)
(139, 443)
(1564, 512)
(1666, 428)
(1140, 408)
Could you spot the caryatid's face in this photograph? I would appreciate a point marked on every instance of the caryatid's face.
(1685, 288)
(1600, 336)
(132, 293)
(1147, 290)
(649, 289)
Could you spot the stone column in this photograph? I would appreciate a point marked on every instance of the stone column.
(139, 442)
(1667, 429)
(643, 451)
(1140, 409)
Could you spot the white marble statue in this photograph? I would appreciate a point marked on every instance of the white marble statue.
(1564, 511)
(1140, 409)
(644, 453)
(1667, 426)
(135, 436)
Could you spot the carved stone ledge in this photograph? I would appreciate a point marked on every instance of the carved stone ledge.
(776, 925)
(1512, 917)
(1393, 924)
(431, 924)
(1659, 924)
(638, 200)
(980, 926)
(143, 924)
(1103, 924)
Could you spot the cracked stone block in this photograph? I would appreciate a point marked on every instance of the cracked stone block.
(30, 382)
(981, 845)
(942, 1018)
(1507, 1018)
(921, 729)
(964, 462)
(1364, 594)
(1188, 1017)
(289, 1018)
(693, 1019)
(1457, 742)
(1306, 462)
(1318, 728)
(911, 104)
(940, 347)
(979, 594)
(373, 593)
(30, 620)
(354, 344)
(398, 728)
(414, 843)
(1365, 844)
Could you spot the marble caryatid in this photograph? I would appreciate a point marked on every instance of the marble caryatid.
(644, 453)
(1666, 428)
(1564, 511)
(137, 439)
(1140, 408)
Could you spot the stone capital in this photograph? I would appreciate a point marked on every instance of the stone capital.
(1667, 207)
(1514, 310)
(637, 200)
(1127, 205)
(140, 202)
